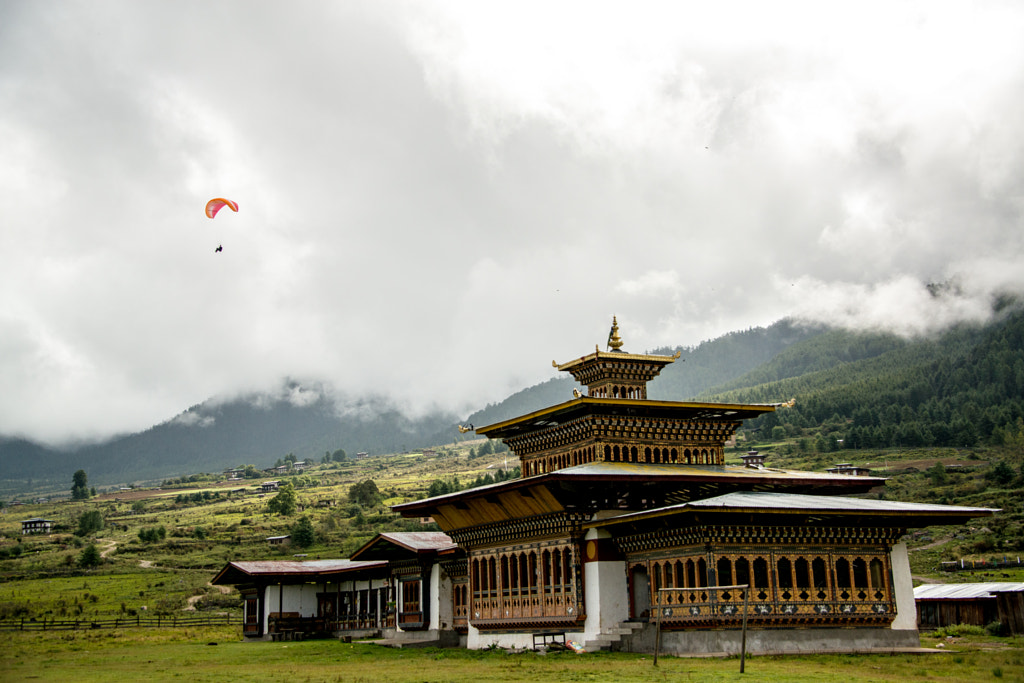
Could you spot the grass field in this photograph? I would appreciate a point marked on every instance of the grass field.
(43, 581)
(217, 654)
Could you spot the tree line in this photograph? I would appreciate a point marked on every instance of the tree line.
(963, 389)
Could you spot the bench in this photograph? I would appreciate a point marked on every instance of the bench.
(546, 639)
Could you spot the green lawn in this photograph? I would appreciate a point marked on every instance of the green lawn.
(216, 654)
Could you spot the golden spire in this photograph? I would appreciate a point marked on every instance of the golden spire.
(614, 341)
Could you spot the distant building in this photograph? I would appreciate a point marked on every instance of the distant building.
(849, 469)
(269, 486)
(362, 454)
(753, 459)
(278, 540)
(36, 525)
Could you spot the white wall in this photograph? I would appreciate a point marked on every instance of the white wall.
(441, 608)
(605, 590)
(903, 587)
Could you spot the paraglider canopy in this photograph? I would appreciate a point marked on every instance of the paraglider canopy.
(215, 205)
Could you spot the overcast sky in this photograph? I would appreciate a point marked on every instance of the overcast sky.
(438, 199)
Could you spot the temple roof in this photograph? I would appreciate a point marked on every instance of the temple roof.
(619, 407)
(617, 356)
(788, 508)
(598, 486)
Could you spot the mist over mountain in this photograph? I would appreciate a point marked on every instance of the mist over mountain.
(962, 387)
(306, 420)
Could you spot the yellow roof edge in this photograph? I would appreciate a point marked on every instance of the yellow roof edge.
(765, 407)
(598, 354)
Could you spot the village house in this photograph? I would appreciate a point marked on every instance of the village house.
(626, 514)
(36, 525)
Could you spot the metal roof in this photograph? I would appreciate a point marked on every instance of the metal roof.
(396, 545)
(293, 567)
(790, 501)
(240, 572)
(420, 540)
(963, 591)
(819, 506)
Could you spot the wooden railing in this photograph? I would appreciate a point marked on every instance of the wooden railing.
(120, 622)
(693, 606)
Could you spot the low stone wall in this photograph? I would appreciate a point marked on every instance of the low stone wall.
(770, 641)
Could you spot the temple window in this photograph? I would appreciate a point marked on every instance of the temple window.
(724, 571)
(820, 573)
(877, 575)
(860, 573)
(742, 571)
(843, 573)
(802, 576)
(785, 574)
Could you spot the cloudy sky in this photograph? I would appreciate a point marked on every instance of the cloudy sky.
(439, 198)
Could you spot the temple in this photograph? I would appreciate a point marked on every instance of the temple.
(627, 511)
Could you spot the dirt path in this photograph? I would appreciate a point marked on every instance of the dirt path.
(196, 598)
(924, 579)
(110, 547)
(146, 564)
(934, 544)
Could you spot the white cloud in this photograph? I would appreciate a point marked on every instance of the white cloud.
(437, 199)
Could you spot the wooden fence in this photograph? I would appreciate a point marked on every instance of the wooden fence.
(172, 621)
(974, 565)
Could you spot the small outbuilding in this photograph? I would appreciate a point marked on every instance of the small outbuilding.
(978, 604)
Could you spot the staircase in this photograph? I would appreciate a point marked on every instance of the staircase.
(609, 636)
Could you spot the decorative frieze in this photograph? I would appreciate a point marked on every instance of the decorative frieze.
(758, 535)
(563, 524)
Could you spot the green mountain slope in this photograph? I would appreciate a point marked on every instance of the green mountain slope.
(962, 388)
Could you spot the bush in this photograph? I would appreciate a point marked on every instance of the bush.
(958, 630)
(996, 629)
(90, 557)
(89, 522)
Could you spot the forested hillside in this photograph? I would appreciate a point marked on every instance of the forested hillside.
(963, 388)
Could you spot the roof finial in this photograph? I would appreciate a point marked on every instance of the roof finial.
(614, 341)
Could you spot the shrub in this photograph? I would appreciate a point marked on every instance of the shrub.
(90, 557)
(89, 522)
(996, 629)
(958, 630)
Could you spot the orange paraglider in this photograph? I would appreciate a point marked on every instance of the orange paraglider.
(215, 205)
